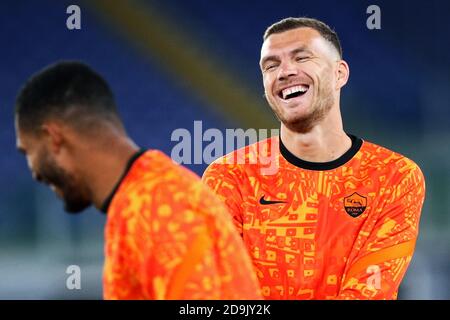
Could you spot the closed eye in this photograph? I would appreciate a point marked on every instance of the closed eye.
(301, 59)
(270, 66)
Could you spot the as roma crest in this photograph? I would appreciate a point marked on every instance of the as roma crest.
(355, 204)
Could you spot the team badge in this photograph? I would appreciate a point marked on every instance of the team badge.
(355, 204)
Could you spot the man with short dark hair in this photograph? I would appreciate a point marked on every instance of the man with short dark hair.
(166, 236)
(339, 217)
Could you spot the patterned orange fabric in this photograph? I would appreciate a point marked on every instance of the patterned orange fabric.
(168, 237)
(344, 232)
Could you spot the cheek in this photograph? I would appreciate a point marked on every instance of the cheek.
(327, 74)
(267, 82)
(316, 71)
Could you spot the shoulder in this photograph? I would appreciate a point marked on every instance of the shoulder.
(156, 175)
(157, 184)
(254, 155)
(394, 166)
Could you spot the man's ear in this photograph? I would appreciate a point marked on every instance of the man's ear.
(53, 135)
(342, 74)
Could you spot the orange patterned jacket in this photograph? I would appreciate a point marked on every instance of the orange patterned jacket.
(344, 229)
(168, 237)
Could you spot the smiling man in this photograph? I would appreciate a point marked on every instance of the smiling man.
(166, 236)
(340, 216)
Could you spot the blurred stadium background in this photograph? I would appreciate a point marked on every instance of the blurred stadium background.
(173, 62)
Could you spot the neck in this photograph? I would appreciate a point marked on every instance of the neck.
(326, 142)
(104, 166)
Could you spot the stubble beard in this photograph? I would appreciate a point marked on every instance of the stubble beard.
(74, 197)
(306, 122)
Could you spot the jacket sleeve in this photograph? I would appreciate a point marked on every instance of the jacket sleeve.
(381, 263)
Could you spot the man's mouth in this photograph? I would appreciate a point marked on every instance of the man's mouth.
(293, 92)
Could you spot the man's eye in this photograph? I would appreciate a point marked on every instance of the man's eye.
(301, 58)
(271, 67)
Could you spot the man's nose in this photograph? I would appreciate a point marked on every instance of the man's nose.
(287, 70)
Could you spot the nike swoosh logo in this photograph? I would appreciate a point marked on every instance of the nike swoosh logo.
(264, 201)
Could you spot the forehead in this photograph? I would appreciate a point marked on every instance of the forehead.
(304, 37)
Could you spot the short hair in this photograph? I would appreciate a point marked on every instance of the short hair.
(69, 91)
(293, 23)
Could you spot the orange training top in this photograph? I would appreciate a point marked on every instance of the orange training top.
(344, 229)
(168, 237)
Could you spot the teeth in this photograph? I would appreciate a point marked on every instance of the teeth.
(292, 90)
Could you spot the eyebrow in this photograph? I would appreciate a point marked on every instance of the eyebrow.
(301, 49)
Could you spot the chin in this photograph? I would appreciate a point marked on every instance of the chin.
(299, 108)
(295, 116)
